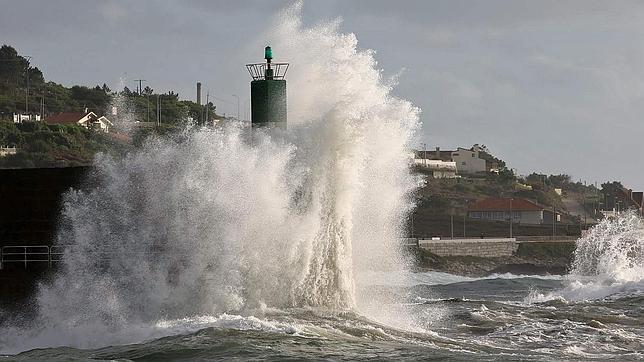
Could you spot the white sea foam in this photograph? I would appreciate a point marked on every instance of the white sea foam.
(608, 261)
(409, 279)
(88, 336)
(213, 223)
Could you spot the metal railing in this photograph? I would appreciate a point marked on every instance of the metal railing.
(24, 254)
(33, 254)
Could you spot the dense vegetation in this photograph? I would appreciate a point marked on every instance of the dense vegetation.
(23, 89)
(43, 145)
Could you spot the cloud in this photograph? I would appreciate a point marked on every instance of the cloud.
(113, 12)
(549, 85)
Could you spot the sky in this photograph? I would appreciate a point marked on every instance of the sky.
(548, 86)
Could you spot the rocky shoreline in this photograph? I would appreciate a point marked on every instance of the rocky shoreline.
(546, 258)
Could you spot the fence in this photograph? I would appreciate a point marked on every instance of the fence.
(43, 254)
(27, 254)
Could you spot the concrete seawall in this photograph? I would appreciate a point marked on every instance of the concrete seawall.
(485, 248)
(488, 247)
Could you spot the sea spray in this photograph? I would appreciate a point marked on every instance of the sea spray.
(609, 260)
(612, 250)
(210, 223)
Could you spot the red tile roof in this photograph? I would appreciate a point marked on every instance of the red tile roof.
(66, 118)
(502, 204)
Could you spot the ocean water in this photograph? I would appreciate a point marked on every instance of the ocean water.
(501, 317)
(596, 312)
(221, 244)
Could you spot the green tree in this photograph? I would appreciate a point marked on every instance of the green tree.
(609, 191)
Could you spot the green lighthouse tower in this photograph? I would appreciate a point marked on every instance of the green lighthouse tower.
(268, 92)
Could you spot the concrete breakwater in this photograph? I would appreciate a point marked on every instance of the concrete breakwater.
(484, 248)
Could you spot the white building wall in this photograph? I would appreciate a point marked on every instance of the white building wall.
(468, 161)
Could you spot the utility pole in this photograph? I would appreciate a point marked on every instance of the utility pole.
(424, 153)
(554, 221)
(148, 113)
(140, 84)
(158, 110)
(207, 102)
(585, 221)
(465, 215)
(510, 217)
(451, 217)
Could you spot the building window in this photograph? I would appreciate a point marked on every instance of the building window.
(463, 163)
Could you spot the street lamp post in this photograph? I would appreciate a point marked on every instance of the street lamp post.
(465, 215)
(510, 217)
(424, 153)
(554, 221)
(451, 219)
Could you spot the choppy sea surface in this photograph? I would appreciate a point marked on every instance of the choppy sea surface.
(501, 317)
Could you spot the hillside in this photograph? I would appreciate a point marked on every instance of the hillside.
(442, 204)
(24, 90)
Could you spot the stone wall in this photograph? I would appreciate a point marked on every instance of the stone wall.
(31, 200)
(484, 248)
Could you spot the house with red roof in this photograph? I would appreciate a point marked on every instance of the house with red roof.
(88, 120)
(523, 211)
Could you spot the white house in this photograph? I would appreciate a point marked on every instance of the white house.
(8, 150)
(19, 118)
(468, 161)
(88, 120)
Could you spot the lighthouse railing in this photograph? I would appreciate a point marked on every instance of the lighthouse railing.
(258, 70)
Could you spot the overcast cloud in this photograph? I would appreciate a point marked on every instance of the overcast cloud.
(549, 86)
